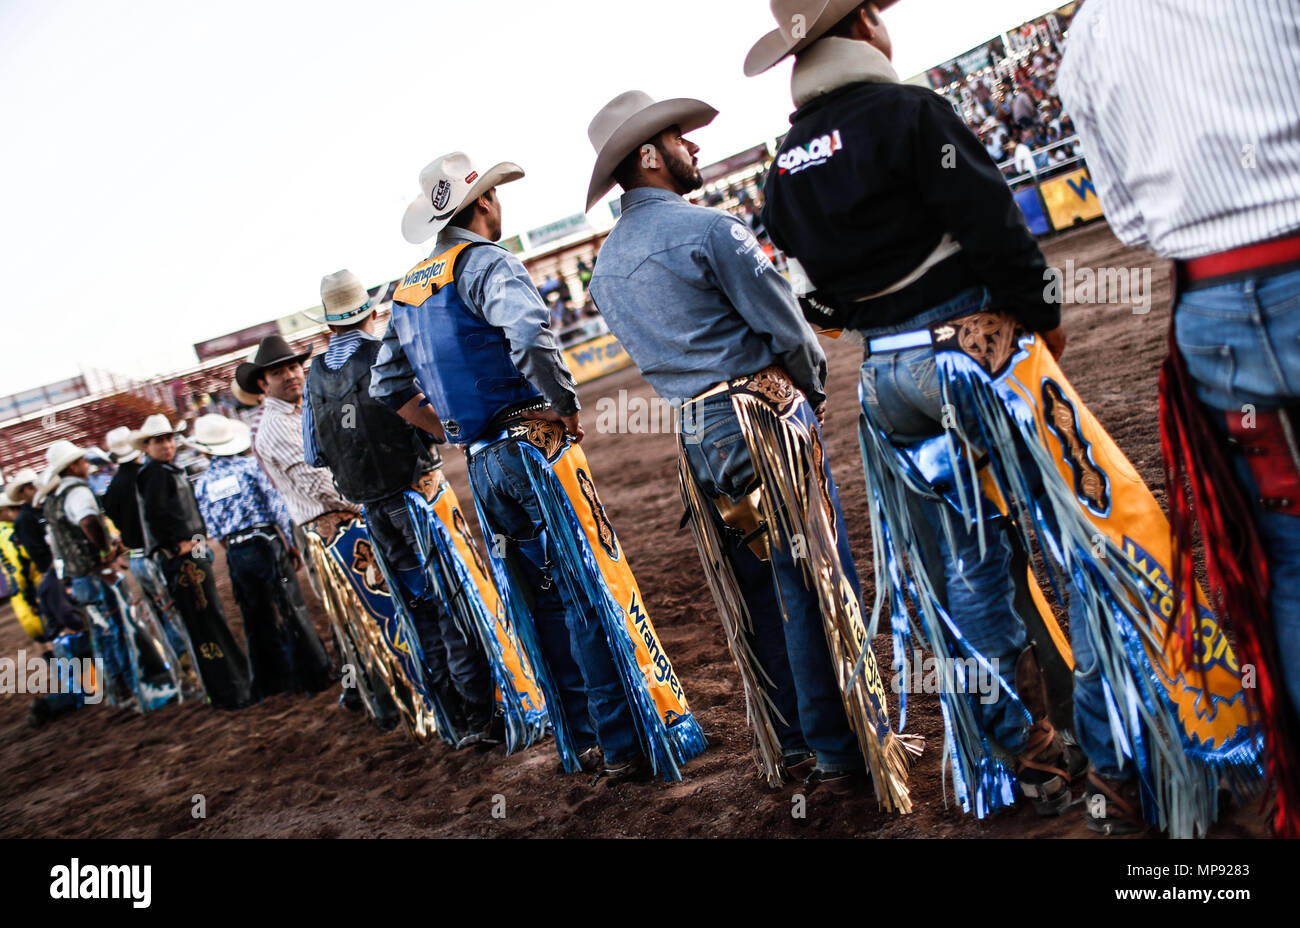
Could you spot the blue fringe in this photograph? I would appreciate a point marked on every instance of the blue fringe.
(448, 574)
(667, 745)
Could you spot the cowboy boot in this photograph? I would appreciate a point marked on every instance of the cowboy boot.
(1047, 765)
(1113, 807)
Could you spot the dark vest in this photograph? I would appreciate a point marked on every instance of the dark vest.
(78, 552)
(460, 360)
(371, 450)
(186, 520)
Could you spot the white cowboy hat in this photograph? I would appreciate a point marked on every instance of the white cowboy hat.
(22, 478)
(799, 24)
(119, 445)
(448, 183)
(7, 501)
(214, 434)
(153, 427)
(58, 456)
(344, 301)
(628, 120)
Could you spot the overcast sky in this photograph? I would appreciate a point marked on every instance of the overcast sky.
(172, 171)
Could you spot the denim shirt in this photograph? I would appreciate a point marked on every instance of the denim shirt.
(695, 301)
(494, 284)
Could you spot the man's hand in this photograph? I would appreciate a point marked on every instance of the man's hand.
(571, 424)
(295, 558)
(820, 413)
(1055, 341)
(184, 548)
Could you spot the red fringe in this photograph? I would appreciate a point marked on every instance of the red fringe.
(1200, 482)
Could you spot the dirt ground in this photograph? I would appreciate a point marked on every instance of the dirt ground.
(307, 768)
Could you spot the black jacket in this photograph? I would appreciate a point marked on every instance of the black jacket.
(901, 172)
(120, 504)
(168, 510)
(29, 527)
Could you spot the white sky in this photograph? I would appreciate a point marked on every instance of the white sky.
(172, 171)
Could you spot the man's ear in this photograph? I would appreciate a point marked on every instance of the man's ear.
(649, 156)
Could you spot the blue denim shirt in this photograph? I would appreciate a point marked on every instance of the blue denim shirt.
(694, 300)
(494, 284)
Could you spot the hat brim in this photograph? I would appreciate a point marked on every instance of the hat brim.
(124, 456)
(254, 372)
(238, 443)
(688, 113)
(776, 46)
(355, 314)
(421, 223)
(138, 439)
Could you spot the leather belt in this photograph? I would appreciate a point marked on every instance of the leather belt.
(258, 531)
(1260, 256)
(917, 338)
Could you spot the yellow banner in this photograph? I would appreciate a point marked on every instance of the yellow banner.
(596, 358)
(1070, 198)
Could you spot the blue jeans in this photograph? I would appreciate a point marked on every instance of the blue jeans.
(902, 396)
(91, 591)
(1241, 343)
(572, 638)
(793, 651)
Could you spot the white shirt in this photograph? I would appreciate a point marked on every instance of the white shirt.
(79, 504)
(1190, 110)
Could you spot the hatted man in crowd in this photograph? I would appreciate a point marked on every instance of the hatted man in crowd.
(704, 314)
(29, 524)
(122, 505)
(470, 330)
(89, 556)
(242, 509)
(21, 578)
(376, 456)
(174, 532)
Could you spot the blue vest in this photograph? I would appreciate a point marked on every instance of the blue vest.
(461, 362)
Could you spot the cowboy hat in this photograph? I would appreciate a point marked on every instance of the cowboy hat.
(119, 445)
(22, 478)
(800, 23)
(343, 300)
(214, 434)
(7, 501)
(58, 456)
(242, 389)
(272, 351)
(628, 120)
(155, 426)
(447, 184)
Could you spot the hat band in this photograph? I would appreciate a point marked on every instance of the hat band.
(339, 317)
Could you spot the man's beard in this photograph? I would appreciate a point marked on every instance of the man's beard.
(685, 175)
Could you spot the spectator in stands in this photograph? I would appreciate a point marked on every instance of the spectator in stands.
(1023, 110)
(1024, 156)
(29, 524)
(174, 533)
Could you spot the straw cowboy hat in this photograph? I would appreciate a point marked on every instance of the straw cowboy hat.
(214, 434)
(240, 386)
(7, 501)
(57, 457)
(447, 184)
(22, 478)
(344, 301)
(155, 426)
(628, 120)
(119, 445)
(799, 23)
(271, 352)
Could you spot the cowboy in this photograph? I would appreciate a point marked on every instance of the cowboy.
(174, 534)
(376, 456)
(892, 242)
(702, 312)
(121, 504)
(89, 555)
(470, 331)
(241, 508)
(29, 524)
(1155, 131)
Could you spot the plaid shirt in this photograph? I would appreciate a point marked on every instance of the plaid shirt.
(235, 495)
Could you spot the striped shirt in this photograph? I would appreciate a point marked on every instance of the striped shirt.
(1189, 112)
(308, 490)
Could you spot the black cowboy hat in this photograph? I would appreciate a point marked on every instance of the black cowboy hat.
(272, 351)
